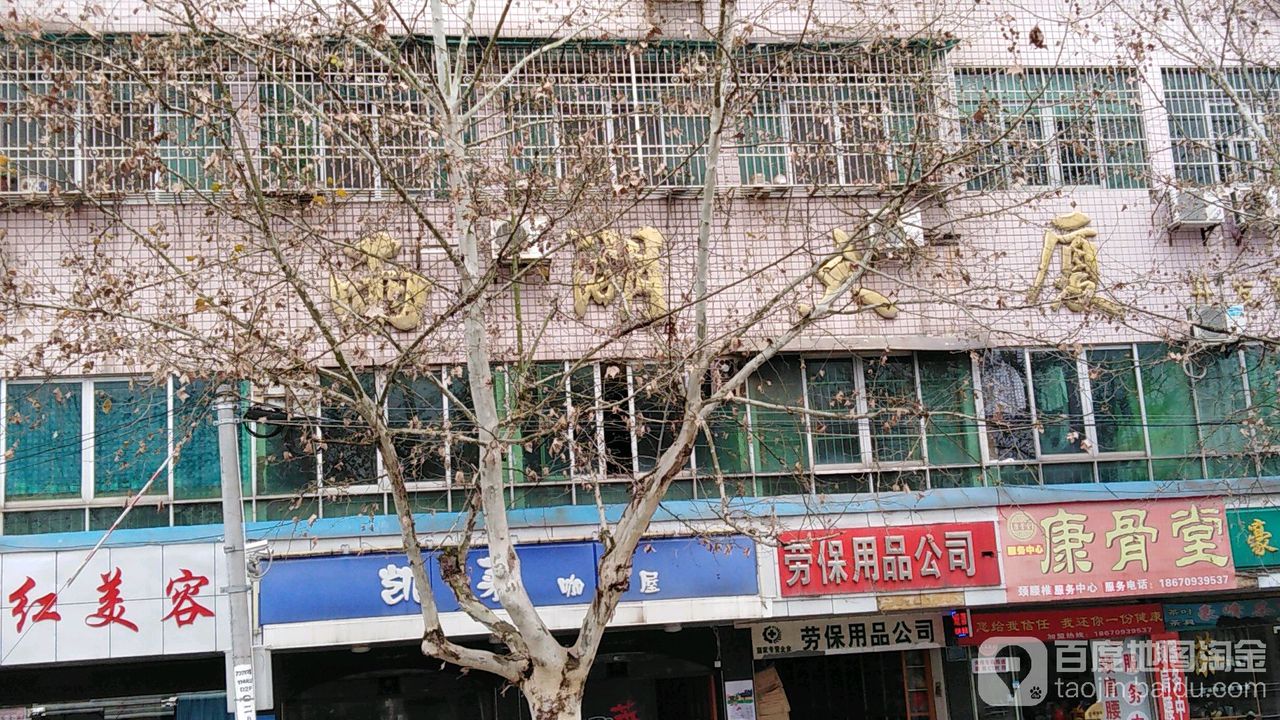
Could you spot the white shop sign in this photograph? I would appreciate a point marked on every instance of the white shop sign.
(996, 665)
(831, 636)
(126, 602)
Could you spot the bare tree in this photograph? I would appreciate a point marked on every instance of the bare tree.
(487, 206)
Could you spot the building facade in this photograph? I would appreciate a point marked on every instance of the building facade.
(1025, 271)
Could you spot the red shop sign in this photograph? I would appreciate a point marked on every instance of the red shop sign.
(888, 559)
(1118, 621)
(1115, 549)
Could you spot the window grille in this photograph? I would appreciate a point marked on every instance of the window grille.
(833, 116)
(604, 113)
(1213, 133)
(85, 117)
(1043, 127)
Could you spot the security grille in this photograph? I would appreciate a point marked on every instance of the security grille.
(834, 115)
(1214, 120)
(1042, 127)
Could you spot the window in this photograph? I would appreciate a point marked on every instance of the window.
(289, 136)
(832, 386)
(778, 422)
(833, 116)
(1058, 409)
(285, 450)
(94, 455)
(1170, 407)
(599, 114)
(1220, 401)
(659, 403)
(892, 409)
(946, 392)
(42, 440)
(348, 454)
(1117, 412)
(1213, 121)
(74, 117)
(1007, 405)
(1052, 127)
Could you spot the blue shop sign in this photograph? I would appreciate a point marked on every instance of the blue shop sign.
(381, 585)
(1203, 616)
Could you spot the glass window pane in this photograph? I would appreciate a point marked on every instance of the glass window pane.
(1263, 367)
(1166, 389)
(42, 440)
(615, 410)
(892, 408)
(543, 405)
(1013, 475)
(43, 521)
(1127, 471)
(727, 426)
(535, 496)
(1069, 473)
(199, 514)
(196, 469)
(582, 400)
(779, 434)
(294, 509)
(659, 402)
(286, 456)
(1177, 469)
(1114, 390)
(1006, 406)
(1220, 400)
(416, 405)
(832, 388)
(350, 505)
(955, 477)
(130, 437)
(464, 453)
(946, 388)
(1058, 406)
(141, 516)
(348, 452)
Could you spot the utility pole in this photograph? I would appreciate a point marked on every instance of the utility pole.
(240, 686)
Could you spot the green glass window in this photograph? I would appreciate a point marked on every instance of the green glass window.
(832, 387)
(416, 405)
(199, 514)
(1220, 401)
(1263, 367)
(141, 516)
(615, 413)
(130, 437)
(659, 400)
(1085, 124)
(946, 389)
(1126, 471)
(286, 456)
(1067, 473)
(1058, 407)
(543, 403)
(778, 431)
(727, 427)
(196, 470)
(464, 452)
(1007, 405)
(1166, 389)
(892, 408)
(38, 522)
(1116, 410)
(955, 477)
(348, 453)
(42, 433)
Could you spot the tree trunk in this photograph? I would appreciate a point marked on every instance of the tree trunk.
(554, 695)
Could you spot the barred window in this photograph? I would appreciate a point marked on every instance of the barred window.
(846, 116)
(1051, 127)
(602, 113)
(88, 117)
(1213, 120)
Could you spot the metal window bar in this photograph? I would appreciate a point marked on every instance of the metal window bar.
(1213, 139)
(834, 115)
(1045, 126)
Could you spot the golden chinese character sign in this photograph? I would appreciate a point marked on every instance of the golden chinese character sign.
(1255, 537)
(1115, 549)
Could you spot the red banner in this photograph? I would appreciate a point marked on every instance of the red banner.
(1115, 549)
(1074, 624)
(888, 559)
(1170, 675)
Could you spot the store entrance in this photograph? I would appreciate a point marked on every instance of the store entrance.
(861, 686)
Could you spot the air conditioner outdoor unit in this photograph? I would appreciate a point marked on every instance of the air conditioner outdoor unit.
(1260, 208)
(1214, 323)
(1198, 209)
(526, 239)
(903, 232)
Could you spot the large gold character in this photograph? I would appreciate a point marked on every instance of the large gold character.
(835, 271)
(379, 290)
(608, 265)
(1080, 275)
